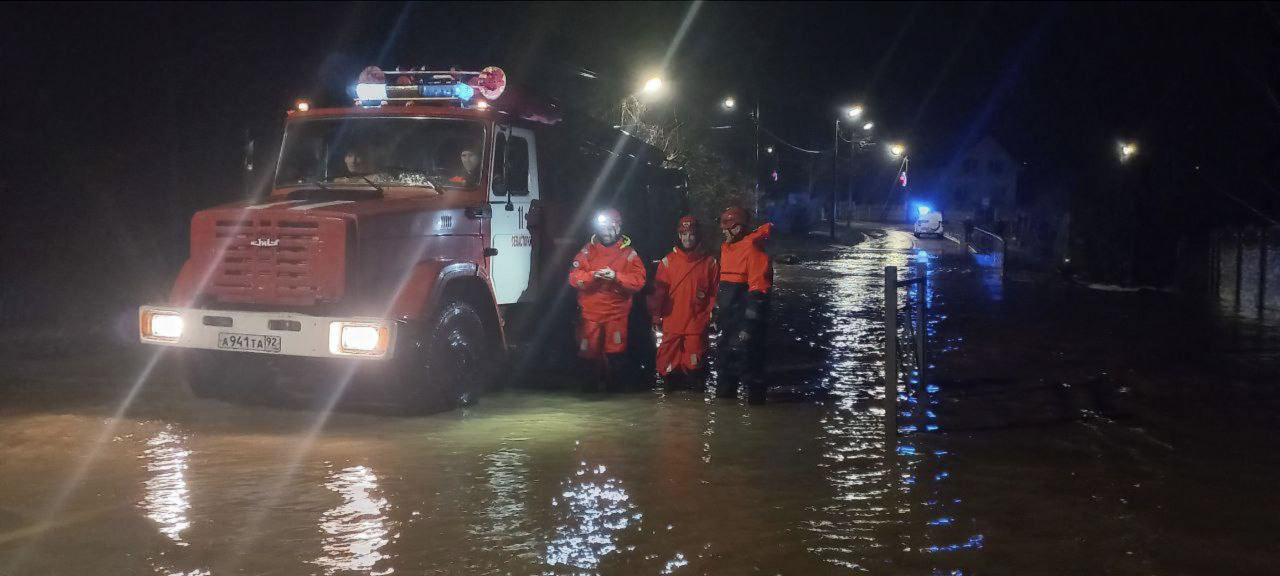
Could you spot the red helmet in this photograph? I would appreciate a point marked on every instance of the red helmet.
(608, 216)
(687, 224)
(734, 216)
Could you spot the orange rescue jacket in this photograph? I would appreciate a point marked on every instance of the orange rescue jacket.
(603, 300)
(745, 262)
(684, 292)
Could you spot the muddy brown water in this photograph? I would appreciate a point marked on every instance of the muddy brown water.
(998, 478)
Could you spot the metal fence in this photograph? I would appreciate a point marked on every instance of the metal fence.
(910, 344)
(1243, 266)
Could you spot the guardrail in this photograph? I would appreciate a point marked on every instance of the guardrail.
(988, 249)
(918, 328)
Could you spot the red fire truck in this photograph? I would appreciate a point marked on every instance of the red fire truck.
(400, 238)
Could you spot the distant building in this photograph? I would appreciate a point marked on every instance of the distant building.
(983, 187)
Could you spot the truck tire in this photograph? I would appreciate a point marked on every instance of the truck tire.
(444, 364)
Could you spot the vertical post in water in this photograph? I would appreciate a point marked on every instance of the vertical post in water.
(891, 353)
(1239, 266)
(1215, 263)
(922, 334)
(1262, 273)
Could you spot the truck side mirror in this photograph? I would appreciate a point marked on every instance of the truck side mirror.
(500, 178)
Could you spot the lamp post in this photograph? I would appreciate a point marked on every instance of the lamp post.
(852, 113)
(729, 105)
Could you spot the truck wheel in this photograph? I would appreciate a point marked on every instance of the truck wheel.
(446, 360)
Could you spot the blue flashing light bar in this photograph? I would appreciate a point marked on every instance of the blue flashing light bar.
(377, 87)
(460, 91)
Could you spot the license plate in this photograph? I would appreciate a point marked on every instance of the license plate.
(249, 342)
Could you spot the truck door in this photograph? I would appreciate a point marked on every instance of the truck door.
(515, 187)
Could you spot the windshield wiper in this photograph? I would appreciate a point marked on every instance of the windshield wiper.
(317, 184)
(370, 182)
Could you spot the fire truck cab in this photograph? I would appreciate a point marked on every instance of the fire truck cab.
(397, 238)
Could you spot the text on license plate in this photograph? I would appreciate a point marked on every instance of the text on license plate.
(249, 342)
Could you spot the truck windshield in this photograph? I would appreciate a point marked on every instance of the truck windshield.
(418, 152)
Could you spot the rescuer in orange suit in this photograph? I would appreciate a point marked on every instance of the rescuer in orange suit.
(684, 293)
(742, 306)
(607, 273)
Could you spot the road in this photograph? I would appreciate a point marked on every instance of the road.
(559, 483)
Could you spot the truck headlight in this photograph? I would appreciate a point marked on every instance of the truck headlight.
(357, 339)
(161, 325)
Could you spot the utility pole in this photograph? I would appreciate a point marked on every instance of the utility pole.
(835, 155)
(756, 164)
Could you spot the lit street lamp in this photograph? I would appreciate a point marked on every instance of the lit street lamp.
(852, 113)
(1128, 150)
(729, 105)
(897, 149)
(653, 86)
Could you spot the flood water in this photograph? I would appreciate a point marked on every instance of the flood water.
(999, 469)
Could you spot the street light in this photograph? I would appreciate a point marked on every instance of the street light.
(1128, 150)
(897, 149)
(653, 86)
(769, 150)
(729, 104)
(851, 113)
(868, 126)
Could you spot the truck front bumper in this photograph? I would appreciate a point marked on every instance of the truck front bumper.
(268, 333)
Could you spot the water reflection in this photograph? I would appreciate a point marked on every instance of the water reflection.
(166, 501)
(856, 524)
(357, 530)
(506, 517)
(878, 510)
(593, 511)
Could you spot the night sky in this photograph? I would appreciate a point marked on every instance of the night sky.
(121, 120)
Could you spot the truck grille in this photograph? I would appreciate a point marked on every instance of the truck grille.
(295, 261)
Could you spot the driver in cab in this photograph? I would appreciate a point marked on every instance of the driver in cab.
(358, 167)
(469, 160)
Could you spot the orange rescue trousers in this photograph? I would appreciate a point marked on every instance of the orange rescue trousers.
(595, 339)
(681, 353)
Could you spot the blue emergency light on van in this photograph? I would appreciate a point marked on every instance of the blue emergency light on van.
(923, 209)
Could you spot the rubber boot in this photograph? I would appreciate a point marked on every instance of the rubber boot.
(615, 379)
(727, 387)
(697, 381)
(592, 375)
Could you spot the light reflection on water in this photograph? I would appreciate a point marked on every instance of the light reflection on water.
(505, 515)
(167, 500)
(592, 511)
(852, 527)
(357, 530)
(875, 512)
